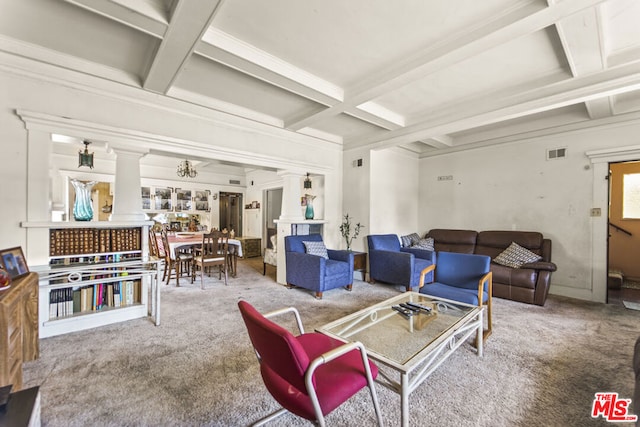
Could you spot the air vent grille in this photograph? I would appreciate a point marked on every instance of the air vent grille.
(556, 153)
(234, 181)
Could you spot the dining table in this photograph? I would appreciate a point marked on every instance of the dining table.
(194, 240)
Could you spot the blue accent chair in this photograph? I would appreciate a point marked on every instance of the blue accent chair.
(465, 278)
(315, 272)
(391, 263)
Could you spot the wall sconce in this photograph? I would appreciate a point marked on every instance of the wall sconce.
(84, 157)
(307, 182)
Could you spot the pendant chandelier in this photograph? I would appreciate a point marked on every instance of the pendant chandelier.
(186, 170)
(307, 181)
(85, 158)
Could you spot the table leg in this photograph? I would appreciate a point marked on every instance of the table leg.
(404, 400)
(235, 263)
(480, 338)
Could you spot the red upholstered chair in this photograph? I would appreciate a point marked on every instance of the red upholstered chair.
(310, 374)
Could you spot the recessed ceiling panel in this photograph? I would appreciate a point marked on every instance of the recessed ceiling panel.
(621, 19)
(342, 41)
(62, 27)
(513, 64)
(627, 102)
(214, 80)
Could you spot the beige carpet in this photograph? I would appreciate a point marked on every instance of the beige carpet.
(542, 365)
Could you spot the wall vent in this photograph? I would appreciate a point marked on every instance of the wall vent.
(357, 163)
(556, 153)
(234, 181)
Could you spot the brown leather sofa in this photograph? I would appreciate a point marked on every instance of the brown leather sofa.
(529, 283)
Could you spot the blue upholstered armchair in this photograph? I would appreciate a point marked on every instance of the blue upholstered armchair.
(391, 263)
(460, 277)
(311, 266)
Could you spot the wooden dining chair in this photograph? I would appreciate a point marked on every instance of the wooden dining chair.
(213, 253)
(174, 262)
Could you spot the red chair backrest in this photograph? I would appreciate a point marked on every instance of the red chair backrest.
(276, 346)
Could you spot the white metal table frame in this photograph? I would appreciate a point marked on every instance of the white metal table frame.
(415, 370)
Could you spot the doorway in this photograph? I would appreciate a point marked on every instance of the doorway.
(231, 212)
(623, 242)
(273, 203)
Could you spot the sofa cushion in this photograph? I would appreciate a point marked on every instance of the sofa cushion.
(316, 248)
(427, 244)
(336, 268)
(410, 240)
(492, 243)
(515, 256)
(519, 277)
(462, 241)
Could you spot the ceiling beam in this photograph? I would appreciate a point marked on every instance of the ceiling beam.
(450, 51)
(189, 22)
(482, 112)
(150, 21)
(581, 36)
(220, 47)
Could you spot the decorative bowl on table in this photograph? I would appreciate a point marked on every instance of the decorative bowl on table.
(5, 280)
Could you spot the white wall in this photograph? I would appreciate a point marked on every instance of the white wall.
(394, 187)
(513, 187)
(356, 196)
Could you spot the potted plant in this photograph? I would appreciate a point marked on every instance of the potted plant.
(348, 232)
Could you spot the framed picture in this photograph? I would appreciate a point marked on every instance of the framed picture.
(12, 260)
(163, 198)
(202, 200)
(183, 200)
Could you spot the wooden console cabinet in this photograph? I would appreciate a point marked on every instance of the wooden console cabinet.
(251, 246)
(18, 328)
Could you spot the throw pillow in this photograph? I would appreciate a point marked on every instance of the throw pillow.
(316, 248)
(515, 256)
(410, 240)
(425, 244)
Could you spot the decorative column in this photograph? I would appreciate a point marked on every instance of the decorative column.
(291, 196)
(127, 199)
(38, 193)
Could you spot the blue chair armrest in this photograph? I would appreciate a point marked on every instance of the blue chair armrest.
(421, 253)
(339, 255)
(391, 266)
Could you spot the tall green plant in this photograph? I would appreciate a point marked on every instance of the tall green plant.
(347, 232)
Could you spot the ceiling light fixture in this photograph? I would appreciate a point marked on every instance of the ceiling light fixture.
(307, 181)
(84, 157)
(186, 170)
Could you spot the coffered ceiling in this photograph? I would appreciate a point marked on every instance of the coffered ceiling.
(430, 76)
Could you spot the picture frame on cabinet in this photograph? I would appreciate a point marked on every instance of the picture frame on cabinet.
(146, 197)
(13, 262)
(202, 200)
(163, 198)
(183, 200)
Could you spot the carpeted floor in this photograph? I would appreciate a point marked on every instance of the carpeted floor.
(541, 367)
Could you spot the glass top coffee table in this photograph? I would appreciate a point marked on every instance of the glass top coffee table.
(410, 345)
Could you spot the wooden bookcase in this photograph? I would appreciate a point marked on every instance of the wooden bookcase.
(97, 275)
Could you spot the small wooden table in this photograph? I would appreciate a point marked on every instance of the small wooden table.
(360, 263)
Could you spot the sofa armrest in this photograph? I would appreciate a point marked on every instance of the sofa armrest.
(421, 253)
(541, 265)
